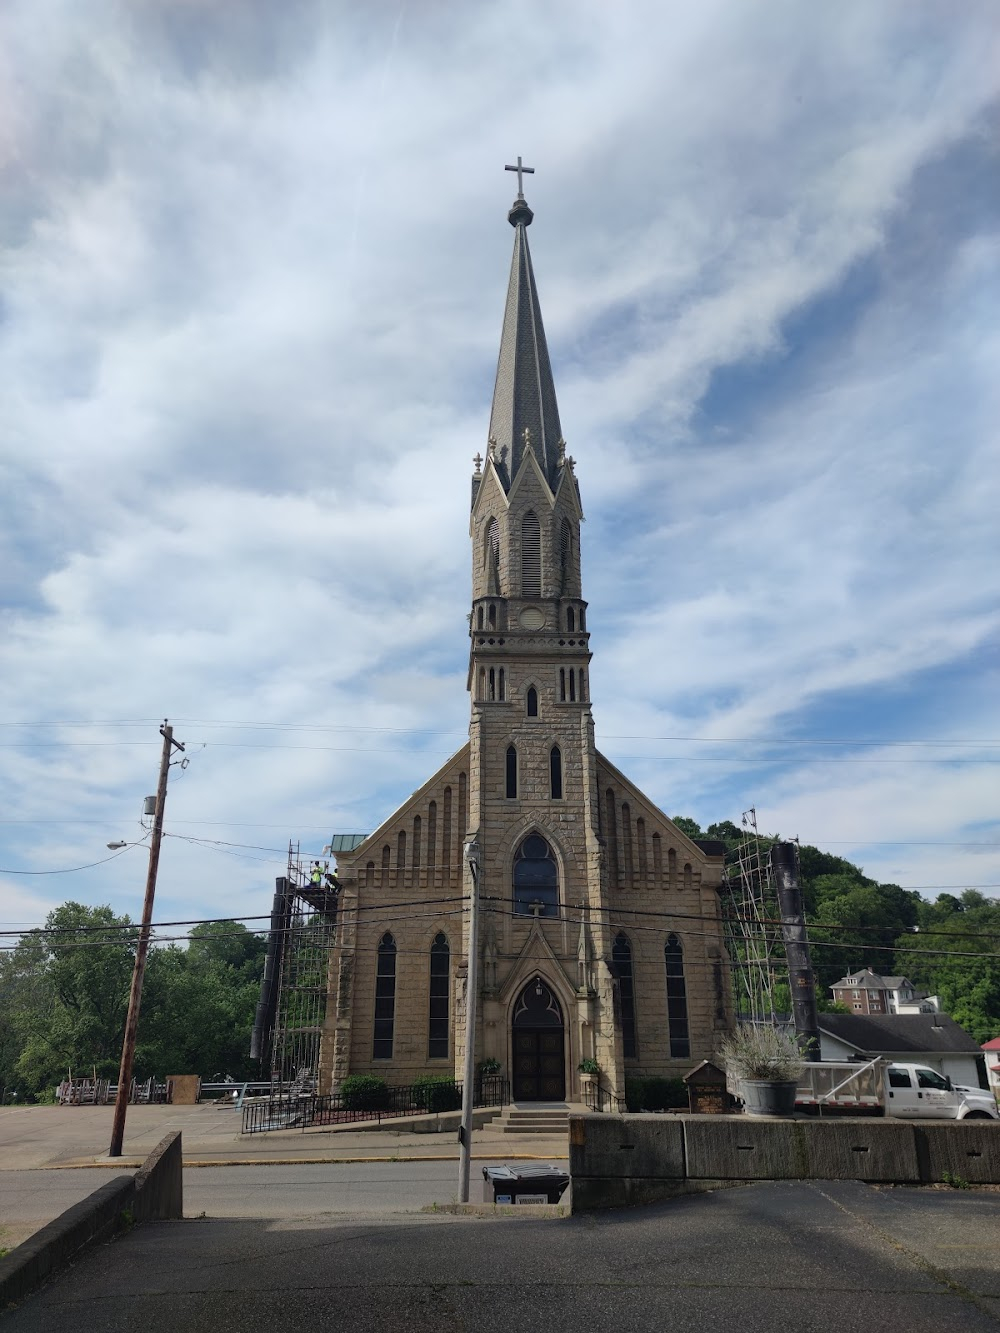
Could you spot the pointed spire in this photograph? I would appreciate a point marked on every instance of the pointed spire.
(524, 399)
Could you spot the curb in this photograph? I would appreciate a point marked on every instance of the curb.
(127, 1165)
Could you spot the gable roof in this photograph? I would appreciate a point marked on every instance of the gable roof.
(898, 1034)
(866, 979)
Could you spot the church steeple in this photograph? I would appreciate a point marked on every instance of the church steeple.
(524, 398)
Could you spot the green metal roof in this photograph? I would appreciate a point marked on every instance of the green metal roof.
(345, 842)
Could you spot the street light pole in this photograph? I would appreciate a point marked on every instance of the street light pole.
(139, 970)
(471, 996)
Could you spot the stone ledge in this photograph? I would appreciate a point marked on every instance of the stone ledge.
(156, 1191)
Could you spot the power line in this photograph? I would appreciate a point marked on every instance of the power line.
(71, 870)
(425, 731)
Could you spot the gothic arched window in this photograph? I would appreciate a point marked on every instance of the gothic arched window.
(570, 619)
(621, 956)
(536, 878)
(531, 705)
(511, 785)
(385, 998)
(677, 1011)
(440, 1000)
(531, 556)
(555, 772)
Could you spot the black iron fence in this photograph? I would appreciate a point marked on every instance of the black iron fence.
(310, 1110)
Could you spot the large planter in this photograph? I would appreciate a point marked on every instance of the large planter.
(768, 1097)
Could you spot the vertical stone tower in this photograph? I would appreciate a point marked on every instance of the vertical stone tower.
(600, 931)
(533, 764)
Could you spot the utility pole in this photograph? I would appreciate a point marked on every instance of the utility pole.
(471, 995)
(138, 972)
(801, 978)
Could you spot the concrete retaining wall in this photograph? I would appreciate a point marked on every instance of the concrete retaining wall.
(155, 1192)
(618, 1160)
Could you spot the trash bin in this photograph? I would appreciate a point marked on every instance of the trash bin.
(523, 1184)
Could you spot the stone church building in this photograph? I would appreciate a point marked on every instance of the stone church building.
(600, 928)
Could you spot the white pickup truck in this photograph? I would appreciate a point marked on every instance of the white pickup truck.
(908, 1092)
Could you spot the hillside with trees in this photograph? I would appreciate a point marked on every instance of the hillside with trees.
(948, 947)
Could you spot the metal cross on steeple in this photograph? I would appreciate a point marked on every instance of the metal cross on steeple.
(520, 171)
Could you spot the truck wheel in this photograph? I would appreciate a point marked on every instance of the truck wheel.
(978, 1115)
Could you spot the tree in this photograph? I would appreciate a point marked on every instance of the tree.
(74, 978)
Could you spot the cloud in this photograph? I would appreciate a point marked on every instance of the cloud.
(253, 268)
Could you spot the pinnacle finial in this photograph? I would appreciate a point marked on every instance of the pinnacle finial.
(478, 461)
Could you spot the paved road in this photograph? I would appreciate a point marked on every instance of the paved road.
(35, 1197)
(831, 1258)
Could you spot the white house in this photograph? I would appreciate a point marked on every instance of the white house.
(927, 1039)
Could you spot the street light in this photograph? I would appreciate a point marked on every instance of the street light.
(472, 986)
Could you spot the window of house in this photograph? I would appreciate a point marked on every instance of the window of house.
(555, 772)
(385, 998)
(531, 706)
(440, 1000)
(677, 1014)
(536, 878)
(511, 772)
(621, 956)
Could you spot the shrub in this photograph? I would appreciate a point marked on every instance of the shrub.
(436, 1092)
(655, 1094)
(364, 1092)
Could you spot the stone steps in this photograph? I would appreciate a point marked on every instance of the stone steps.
(542, 1119)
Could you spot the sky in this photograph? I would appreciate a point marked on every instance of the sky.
(253, 261)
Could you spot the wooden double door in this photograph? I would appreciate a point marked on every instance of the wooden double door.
(538, 1040)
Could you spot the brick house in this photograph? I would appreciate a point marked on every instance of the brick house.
(865, 992)
(600, 925)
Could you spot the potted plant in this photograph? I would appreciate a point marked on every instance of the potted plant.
(767, 1062)
(487, 1072)
(590, 1070)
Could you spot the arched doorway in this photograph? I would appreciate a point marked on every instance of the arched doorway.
(537, 1038)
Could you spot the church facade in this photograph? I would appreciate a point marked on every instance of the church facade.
(600, 924)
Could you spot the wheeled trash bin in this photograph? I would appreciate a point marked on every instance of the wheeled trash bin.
(523, 1184)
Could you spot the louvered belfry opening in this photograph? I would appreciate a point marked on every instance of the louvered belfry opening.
(531, 556)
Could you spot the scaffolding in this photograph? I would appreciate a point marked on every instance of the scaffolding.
(753, 929)
(290, 1017)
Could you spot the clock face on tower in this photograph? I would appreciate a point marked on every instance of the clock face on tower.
(532, 617)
